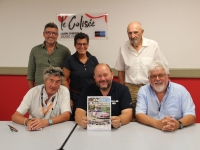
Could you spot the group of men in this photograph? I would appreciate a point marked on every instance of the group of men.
(144, 92)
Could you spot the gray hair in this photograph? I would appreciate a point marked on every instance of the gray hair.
(55, 71)
(158, 64)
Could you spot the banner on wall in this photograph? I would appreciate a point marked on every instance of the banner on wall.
(95, 25)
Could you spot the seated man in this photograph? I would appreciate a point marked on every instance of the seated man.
(104, 86)
(46, 104)
(163, 104)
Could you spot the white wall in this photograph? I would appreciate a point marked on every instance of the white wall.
(174, 24)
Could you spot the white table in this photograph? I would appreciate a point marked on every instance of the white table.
(49, 138)
(135, 136)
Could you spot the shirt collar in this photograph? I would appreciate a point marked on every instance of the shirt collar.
(144, 42)
(87, 53)
(45, 96)
(43, 45)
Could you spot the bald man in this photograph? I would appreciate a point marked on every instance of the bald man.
(121, 106)
(134, 57)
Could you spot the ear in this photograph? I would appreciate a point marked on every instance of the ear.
(142, 32)
(112, 74)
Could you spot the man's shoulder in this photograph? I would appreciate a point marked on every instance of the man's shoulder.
(36, 89)
(119, 86)
(126, 44)
(39, 46)
(149, 41)
(176, 86)
(62, 47)
(63, 88)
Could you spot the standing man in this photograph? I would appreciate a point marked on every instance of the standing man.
(50, 53)
(163, 104)
(134, 58)
(121, 105)
(47, 104)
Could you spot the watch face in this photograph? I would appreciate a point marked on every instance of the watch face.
(50, 121)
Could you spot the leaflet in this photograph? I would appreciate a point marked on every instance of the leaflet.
(99, 112)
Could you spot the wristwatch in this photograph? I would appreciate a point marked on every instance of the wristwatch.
(120, 124)
(180, 124)
(50, 122)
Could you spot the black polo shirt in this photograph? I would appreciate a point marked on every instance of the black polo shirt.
(120, 97)
(81, 74)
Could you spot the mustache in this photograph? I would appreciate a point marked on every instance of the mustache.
(158, 82)
(102, 81)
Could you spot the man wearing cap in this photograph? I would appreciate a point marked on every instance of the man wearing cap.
(46, 104)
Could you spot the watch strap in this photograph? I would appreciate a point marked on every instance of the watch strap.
(180, 124)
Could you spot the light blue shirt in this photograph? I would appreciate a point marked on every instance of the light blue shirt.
(177, 102)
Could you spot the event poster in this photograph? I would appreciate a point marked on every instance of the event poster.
(93, 24)
(99, 112)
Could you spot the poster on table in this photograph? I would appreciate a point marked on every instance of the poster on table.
(95, 25)
(99, 112)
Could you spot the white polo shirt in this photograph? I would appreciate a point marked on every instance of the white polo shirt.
(135, 64)
(32, 103)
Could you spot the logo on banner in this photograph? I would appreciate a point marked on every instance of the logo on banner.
(95, 25)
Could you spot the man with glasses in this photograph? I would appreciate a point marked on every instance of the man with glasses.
(49, 53)
(163, 104)
(46, 104)
(134, 57)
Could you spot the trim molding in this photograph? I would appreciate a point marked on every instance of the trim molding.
(175, 72)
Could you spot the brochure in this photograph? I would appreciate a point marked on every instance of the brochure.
(99, 112)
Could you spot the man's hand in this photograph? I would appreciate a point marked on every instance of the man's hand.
(169, 124)
(83, 122)
(71, 104)
(115, 121)
(36, 123)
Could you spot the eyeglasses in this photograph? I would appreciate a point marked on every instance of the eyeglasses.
(13, 129)
(49, 33)
(55, 71)
(159, 76)
(80, 44)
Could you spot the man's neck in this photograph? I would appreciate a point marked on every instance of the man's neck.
(50, 45)
(160, 95)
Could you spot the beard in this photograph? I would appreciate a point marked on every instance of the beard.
(104, 88)
(158, 86)
(135, 41)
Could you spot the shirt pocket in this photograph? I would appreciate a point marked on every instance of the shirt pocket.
(146, 61)
(173, 107)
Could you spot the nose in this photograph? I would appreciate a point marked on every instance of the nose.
(157, 78)
(53, 84)
(132, 35)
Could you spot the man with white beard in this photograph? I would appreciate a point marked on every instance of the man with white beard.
(163, 104)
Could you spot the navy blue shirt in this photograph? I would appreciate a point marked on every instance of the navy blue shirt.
(81, 74)
(120, 97)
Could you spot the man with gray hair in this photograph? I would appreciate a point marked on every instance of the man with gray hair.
(46, 104)
(163, 104)
(133, 60)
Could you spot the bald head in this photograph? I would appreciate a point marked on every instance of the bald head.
(103, 76)
(135, 32)
(136, 25)
(102, 66)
